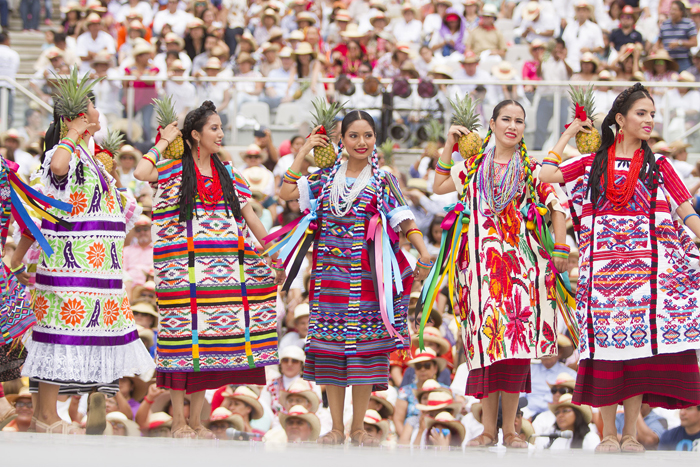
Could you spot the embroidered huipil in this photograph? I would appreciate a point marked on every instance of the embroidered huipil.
(643, 298)
(505, 296)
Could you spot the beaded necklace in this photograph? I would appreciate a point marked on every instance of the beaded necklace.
(498, 186)
(209, 195)
(620, 194)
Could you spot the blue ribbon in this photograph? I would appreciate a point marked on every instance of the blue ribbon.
(36, 233)
(288, 243)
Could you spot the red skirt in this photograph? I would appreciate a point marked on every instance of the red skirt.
(199, 381)
(671, 381)
(510, 375)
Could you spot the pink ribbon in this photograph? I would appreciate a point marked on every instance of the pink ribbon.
(284, 230)
(374, 232)
(451, 217)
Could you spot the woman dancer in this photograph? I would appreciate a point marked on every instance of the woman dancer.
(358, 312)
(506, 293)
(638, 283)
(216, 295)
(85, 338)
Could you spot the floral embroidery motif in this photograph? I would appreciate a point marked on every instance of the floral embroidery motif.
(110, 312)
(41, 308)
(96, 255)
(79, 201)
(72, 312)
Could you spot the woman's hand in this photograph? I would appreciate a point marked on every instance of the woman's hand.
(438, 439)
(79, 124)
(315, 140)
(170, 132)
(578, 126)
(280, 277)
(421, 273)
(456, 131)
(23, 278)
(561, 264)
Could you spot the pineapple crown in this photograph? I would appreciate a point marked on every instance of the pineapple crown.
(387, 149)
(165, 111)
(583, 97)
(465, 112)
(325, 114)
(72, 94)
(113, 142)
(435, 130)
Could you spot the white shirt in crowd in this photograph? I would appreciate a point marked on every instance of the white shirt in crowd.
(181, 93)
(577, 36)
(178, 21)
(9, 64)
(590, 441)
(407, 32)
(103, 42)
(143, 8)
(107, 94)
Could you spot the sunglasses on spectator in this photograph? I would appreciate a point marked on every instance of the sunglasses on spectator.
(563, 410)
(27, 405)
(561, 390)
(424, 365)
(288, 360)
(253, 156)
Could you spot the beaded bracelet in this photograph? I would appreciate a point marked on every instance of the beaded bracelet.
(422, 264)
(18, 270)
(688, 216)
(561, 250)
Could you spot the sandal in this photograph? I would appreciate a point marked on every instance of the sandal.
(362, 438)
(332, 437)
(203, 432)
(610, 444)
(630, 444)
(513, 440)
(96, 414)
(184, 433)
(66, 428)
(483, 440)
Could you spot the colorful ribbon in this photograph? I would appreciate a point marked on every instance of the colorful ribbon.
(85, 151)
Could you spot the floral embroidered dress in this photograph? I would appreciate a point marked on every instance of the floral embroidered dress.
(216, 295)
(643, 299)
(505, 293)
(85, 334)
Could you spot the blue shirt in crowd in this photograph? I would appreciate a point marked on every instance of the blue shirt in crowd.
(678, 439)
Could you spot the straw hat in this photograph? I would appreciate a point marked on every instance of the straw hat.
(564, 380)
(11, 134)
(695, 10)
(136, 24)
(372, 417)
(96, 6)
(301, 310)
(248, 37)
(427, 355)
(275, 33)
(176, 65)
(382, 397)
(245, 57)
(686, 77)
(378, 5)
(146, 335)
(161, 402)
(147, 286)
(252, 149)
(566, 401)
(605, 75)
(408, 7)
(470, 57)
(258, 178)
(489, 10)
(536, 43)
(442, 69)
(444, 2)
(213, 63)
(269, 12)
(132, 428)
(172, 38)
(54, 52)
(588, 57)
(532, 9)
(406, 48)
(22, 394)
(196, 23)
(141, 47)
(584, 4)
(352, 32)
(93, 18)
(141, 383)
(304, 48)
(565, 346)
(134, 14)
(503, 71)
(300, 412)
(677, 146)
(447, 420)
(72, 6)
(430, 386)
(293, 352)
(270, 47)
(296, 35)
(145, 307)
(221, 413)
(431, 334)
(304, 389)
(344, 16)
(286, 52)
(306, 16)
(660, 54)
(159, 419)
(439, 400)
(377, 16)
(247, 396)
(410, 68)
(661, 147)
(122, 124)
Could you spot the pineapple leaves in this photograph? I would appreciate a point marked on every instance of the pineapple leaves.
(71, 97)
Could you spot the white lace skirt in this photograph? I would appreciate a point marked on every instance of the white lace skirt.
(84, 363)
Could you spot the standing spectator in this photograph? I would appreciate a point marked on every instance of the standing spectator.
(626, 33)
(30, 10)
(275, 91)
(195, 38)
(247, 91)
(555, 68)
(9, 64)
(171, 15)
(695, 69)
(685, 437)
(198, 62)
(678, 35)
(270, 60)
(537, 23)
(72, 23)
(144, 9)
(531, 68)
(92, 42)
(486, 36)
(144, 91)
(107, 91)
(180, 91)
(451, 34)
(407, 28)
(582, 35)
(4, 15)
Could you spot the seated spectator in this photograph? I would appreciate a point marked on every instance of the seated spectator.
(546, 372)
(626, 33)
(300, 425)
(222, 419)
(216, 91)
(573, 418)
(22, 403)
(589, 65)
(135, 31)
(451, 35)
(531, 68)
(301, 326)
(71, 23)
(444, 430)
(684, 102)
(180, 91)
(176, 18)
(92, 42)
(582, 35)
(434, 340)
(270, 61)
(379, 402)
(247, 91)
(471, 72)
(12, 143)
(146, 292)
(564, 384)
(276, 92)
(133, 389)
(159, 425)
(486, 37)
(145, 314)
(200, 60)
(537, 24)
(679, 159)
(407, 28)
(269, 19)
(471, 14)
(144, 91)
(389, 64)
(291, 366)
(34, 126)
(604, 95)
(195, 38)
(554, 68)
(59, 42)
(375, 426)
(121, 425)
(173, 45)
(244, 402)
(678, 35)
(659, 67)
(650, 427)
(626, 65)
(685, 437)
(504, 71)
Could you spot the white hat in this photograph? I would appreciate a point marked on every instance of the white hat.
(301, 310)
(293, 352)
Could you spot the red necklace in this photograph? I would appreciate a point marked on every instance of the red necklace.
(212, 194)
(620, 195)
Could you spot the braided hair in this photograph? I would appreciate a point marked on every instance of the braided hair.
(649, 173)
(195, 121)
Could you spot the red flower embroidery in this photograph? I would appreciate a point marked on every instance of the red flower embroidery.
(41, 307)
(518, 319)
(79, 202)
(502, 270)
(110, 312)
(510, 225)
(72, 312)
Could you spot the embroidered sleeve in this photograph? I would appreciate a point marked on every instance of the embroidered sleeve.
(54, 186)
(672, 183)
(459, 175)
(546, 193)
(242, 188)
(394, 204)
(574, 167)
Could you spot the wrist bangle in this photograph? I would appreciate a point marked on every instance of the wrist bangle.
(557, 156)
(149, 401)
(425, 265)
(414, 231)
(166, 140)
(296, 174)
(19, 269)
(689, 216)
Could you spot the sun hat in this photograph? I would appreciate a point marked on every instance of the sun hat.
(72, 6)
(565, 346)
(372, 417)
(132, 428)
(433, 335)
(536, 43)
(489, 10)
(430, 385)
(145, 307)
(352, 32)
(213, 63)
(301, 310)
(270, 47)
(532, 9)
(247, 396)
(427, 355)
(95, 5)
(564, 380)
(503, 71)
(146, 286)
(344, 16)
(296, 35)
(248, 37)
(222, 413)
(566, 401)
(129, 149)
(410, 68)
(438, 400)
(444, 2)
(628, 10)
(686, 77)
(172, 38)
(23, 393)
(245, 57)
(470, 57)
(443, 69)
(661, 147)
(196, 23)
(300, 412)
(54, 52)
(93, 18)
(286, 52)
(136, 24)
(258, 178)
(12, 133)
(306, 16)
(161, 403)
(678, 145)
(304, 48)
(252, 150)
(407, 6)
(293, 352)
(269, 12)
(275, 33)
(382, 397)
(176, 65)
(588, 57)
(377, 16)
(660, 54)
(378, 5)
(141, 47)
(141, 383)
(447, 420)
(584, 4)
(133, 14)
(605, 75)
(146, 335)
(302, 388)
(159, 419)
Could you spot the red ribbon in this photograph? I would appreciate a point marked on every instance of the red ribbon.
(158, 133)
(580, 114)
(280, 233)
(321, 131)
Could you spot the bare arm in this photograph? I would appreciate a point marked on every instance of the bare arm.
(145, 170)
(646, 435)
(693, 223)
(443, 184)
(123, 405)
(559, 227)
(551, 174)
(260, 233)
(400, 415)
(271, 148)
(289, 191)
(24, 244)
(60, 162)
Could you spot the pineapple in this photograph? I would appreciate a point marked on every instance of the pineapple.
(71, 97)
(324, 116)
(434, 130)
(299, 92)
(387, 149)
(465, 115)
(586, 143)
(165, 114)
(109, 149)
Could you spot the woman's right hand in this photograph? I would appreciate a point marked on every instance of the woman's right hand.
(170, 132)
(79, 124)
(314, 140)
(578, 126)
(456, 131)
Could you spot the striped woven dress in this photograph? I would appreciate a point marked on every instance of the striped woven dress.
(216, 295)
(347, 343)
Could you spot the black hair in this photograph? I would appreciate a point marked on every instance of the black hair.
(598, 179)
(59, 38)
(3, 37)
(437, 220)
(294, 138)
(195, 121)
(53, 134)
(560, 41)
(28, 113)
(580, 430)
(681, 6)
(497, 110)
(354, 116)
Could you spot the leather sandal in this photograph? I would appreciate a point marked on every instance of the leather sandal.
(483, 440)
(362, 438)
(609, 444)
(629, 443)
(66, 428)
(333, 437)
(203, 432)
(513, 440)
(184, 433)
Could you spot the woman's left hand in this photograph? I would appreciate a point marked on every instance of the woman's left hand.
(421, 272)
(561, 264)
(280, 277)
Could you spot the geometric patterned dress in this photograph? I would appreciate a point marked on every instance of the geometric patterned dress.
(85, 337)
(638, 292)
(216, 295)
